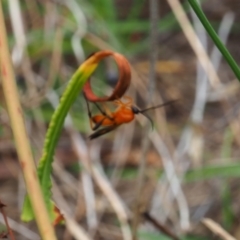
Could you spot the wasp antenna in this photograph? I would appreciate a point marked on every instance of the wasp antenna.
(151, 121)
(158, 106)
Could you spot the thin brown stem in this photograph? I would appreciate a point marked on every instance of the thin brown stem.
(146, 142)
(160, 226)
(10, 232)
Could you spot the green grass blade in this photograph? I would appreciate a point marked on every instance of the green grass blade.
(227, 210)
(228, 57)
(72, 91)
(208, 172)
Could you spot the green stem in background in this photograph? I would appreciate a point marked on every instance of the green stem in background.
(228, 57)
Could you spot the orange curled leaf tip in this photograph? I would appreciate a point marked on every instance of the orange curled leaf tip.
(96, 57)
(123, 80)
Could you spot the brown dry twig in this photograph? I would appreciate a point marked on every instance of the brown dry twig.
(159, 226)
(9, 230)
(3, 235)
(145, 142)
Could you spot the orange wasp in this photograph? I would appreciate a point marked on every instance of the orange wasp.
(107, 121)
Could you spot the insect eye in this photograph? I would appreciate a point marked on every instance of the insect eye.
(135, 109)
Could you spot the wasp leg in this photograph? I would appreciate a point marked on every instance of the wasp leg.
(108, 112)
(92, 124)
(129, 100)
(104, 112)
(102, 131)
(99, 124)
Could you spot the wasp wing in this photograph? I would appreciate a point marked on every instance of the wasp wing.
(102, 131)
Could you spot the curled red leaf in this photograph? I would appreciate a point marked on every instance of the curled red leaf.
(123, 80)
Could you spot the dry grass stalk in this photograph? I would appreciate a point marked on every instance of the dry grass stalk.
(145, 144)
(194, 41)
(217, 229)
(21, 138)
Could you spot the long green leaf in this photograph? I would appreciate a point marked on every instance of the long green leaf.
(228, 57)
(224, 171)
(45, 165)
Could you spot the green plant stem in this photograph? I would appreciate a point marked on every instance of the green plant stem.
(45, 164)
(21, 138)
(54, 131)
(228, 57)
